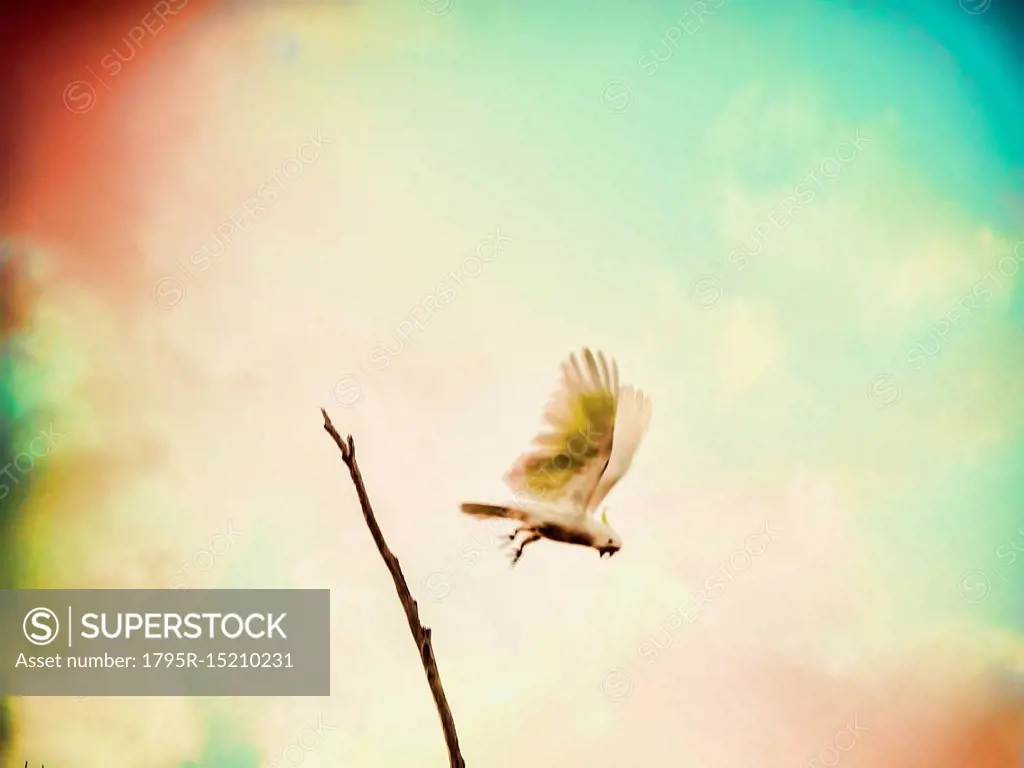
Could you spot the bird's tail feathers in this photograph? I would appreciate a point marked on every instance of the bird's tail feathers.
(490, 510)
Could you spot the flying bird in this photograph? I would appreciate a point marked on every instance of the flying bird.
(594, 429)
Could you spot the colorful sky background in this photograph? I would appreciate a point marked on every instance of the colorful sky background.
(830, 388)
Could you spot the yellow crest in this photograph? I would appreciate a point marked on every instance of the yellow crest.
(604, 515)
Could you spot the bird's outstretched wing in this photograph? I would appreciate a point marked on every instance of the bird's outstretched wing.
(631, 421)
(568, 459)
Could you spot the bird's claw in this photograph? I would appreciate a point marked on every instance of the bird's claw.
(509, 539)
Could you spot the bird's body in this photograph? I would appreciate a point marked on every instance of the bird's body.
(597, 427)
(550, 521)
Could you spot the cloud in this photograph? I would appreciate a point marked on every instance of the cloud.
(748, 348)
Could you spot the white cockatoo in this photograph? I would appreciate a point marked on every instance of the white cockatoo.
(595, 430)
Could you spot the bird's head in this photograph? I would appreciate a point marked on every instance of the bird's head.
(607, 541)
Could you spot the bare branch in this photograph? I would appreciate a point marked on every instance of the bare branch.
(420, 633)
